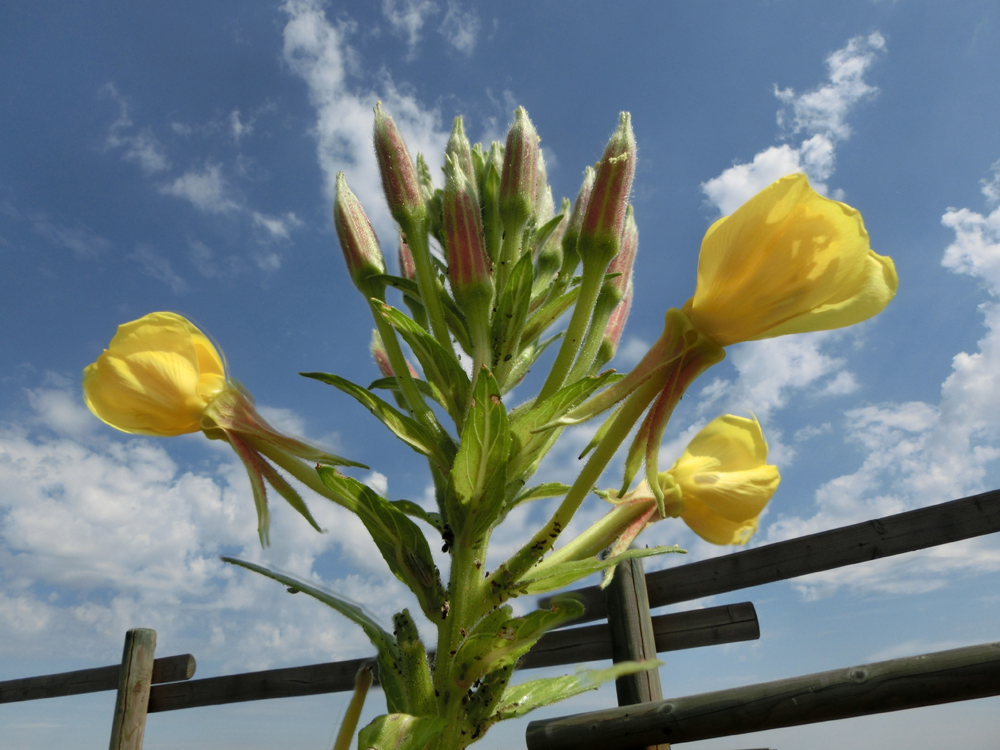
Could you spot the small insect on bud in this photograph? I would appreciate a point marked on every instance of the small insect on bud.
(357, 240)
(517, 180)
(604, 221)
(468, 264)
(399, 177)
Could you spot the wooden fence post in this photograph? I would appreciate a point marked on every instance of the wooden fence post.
(134, 682)
(632, 636)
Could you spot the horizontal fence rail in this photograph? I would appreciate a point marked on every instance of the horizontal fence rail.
(892, 535)
(704, 627)
(94, 680)
(927, 680)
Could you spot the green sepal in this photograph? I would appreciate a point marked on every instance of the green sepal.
(407, 429)
(488, 649)
(413, 662)
(385, 645)
(397, 731)
(399, 539)
(548, 314)
(478, 475)
(527, 446)
(413, 510)
(508, 320)
(441, 367)
(391, 384)
(563, 574)
(519, 699)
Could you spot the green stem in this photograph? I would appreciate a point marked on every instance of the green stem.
(416, 238)
(599, 536)
(590, 288)
(543, 540)
(605, 305)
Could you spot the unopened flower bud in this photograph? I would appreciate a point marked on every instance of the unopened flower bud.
(616, 326)
(517, 180)
(550, 257)
(381, 357)
(600, 235)
(407, 268)
(357, 240)
(623, 262)
(468, 264)
(572, 236)
(399, 177)
(458, 148)
(544, 205)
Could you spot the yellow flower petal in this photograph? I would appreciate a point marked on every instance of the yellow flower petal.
(155, 378)
(787, 261)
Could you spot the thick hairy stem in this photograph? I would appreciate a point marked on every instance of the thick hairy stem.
(595, 335)
(416, 238)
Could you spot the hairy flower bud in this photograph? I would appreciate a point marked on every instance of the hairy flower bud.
(572, 236)
(468, 264)
(623, 262)
(381, 357)
(544, 208)
(616, 326)
(362, 252)
(600, 234)
(517, 180)
(399, 177)
(407, 268)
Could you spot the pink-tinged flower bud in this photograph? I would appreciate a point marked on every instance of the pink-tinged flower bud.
(517, 180)
(542, 192)
(572, 236)
(616, 326)
(460, 150)
(357, 240)
(600, 235)
(407, 268)
(623, 262)
(468, 264)
(381, 357)
(399, 177)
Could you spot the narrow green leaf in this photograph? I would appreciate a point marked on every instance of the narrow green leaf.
(452, 312)
(508, 320)
(479, 472)
(548, 314)
(407, 429)
(441, 367)
(549, 489)
(525, 358)
(560, 575)
(542, 233)
(520, 699)
(391, 384)
(399, 539)
(413, 510)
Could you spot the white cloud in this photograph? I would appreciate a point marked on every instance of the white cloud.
(277, 227)
(991, 187)
(237, 127)
(460, 29)
(207, 190)
(98, 535)
(318, 51)
(918, 454)
(81, 241)
(140, 148)
(407, 18)
(819, 114)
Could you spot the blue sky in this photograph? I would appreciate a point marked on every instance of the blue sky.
(181, 156)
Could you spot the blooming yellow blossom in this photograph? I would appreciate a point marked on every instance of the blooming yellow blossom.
(157, 377)
(787, 261)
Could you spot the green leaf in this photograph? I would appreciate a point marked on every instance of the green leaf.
(441, 367)
(479, 472)
(385, 644)
(560, 575)
(407, 429)
(486, 650)
(549, 489)
(399, 539)
(452, 312)
(520, 699)
(413, 510)
(508, 320)
(548, 314)
(400, 732)
(528, 446)
(391, 384)
(542, 233)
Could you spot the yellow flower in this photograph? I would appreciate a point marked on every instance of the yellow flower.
(787, 261)
(157, 377)
(724, 480)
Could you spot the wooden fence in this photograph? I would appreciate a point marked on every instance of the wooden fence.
(643, 719)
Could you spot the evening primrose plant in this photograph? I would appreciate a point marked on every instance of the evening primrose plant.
(487, 269)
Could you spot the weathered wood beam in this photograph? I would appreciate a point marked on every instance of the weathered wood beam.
(892, 535)
(942, 677)
(703, 627)
(129, 721)
(167, 669)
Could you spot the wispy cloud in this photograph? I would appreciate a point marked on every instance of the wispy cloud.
(158, 267)
(278, 227)
(206, 189)
(407, 18)
(81, 241)
(141, 147)
(460, 28)
(819, 114)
